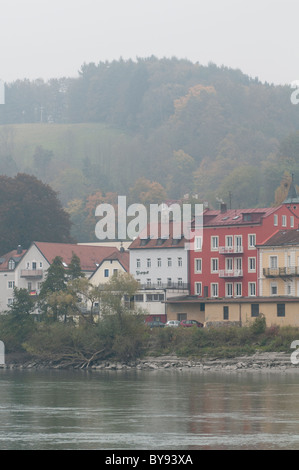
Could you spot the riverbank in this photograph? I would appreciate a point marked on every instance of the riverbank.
(263, 362)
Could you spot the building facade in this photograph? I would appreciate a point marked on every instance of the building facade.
(224, 259)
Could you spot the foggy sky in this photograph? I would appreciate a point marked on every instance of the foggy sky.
(53, 38)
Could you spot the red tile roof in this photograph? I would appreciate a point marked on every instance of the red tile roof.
(90, 255)
(4, 259)
(167, 241)
(122, 256)
(283, 237)
(235, 216)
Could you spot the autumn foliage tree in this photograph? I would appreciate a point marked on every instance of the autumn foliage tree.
(30, 210)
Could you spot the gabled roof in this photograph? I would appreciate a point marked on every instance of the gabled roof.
(122, 256)
(283, 238)
(213, 218)
(90, 256)
(15, 255)
(167, 239)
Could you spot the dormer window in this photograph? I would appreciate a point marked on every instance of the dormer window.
(11, 264)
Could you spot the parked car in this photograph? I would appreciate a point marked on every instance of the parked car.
(172, 323)
(154, 324)
(191, 323)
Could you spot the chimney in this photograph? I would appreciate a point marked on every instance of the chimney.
(223, 208)
(19, 250)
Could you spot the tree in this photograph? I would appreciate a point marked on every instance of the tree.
(52, 288)
(120, 288)
(29, 211)
(74, 268)
(19, 322)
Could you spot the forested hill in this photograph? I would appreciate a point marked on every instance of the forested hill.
(185, 127)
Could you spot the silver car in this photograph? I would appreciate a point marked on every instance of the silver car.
(172, 323)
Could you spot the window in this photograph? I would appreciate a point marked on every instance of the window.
(273, 262)
(138, 298)
(275, 219)
(214, 289)
(198, 243)
(169, 262)
(292, 221)
(225, 312)
(11, 264)
(138, 264)
(238, 243)
(148, 282)
(198, 288)
(251, 240)
(154, 297)
(182, 316)
(255, 310)
(251, 264)
(281, 310)
(284, 220)
(106, 273)
(238, 264)
(11, 284)
(214, 243)
(29, 286)
(159, 282)
(180, 262)
(41, 264)
(229, 264)
(34, 265)
(159, 262)
(228, 289)
(288, 288)
(273, 288)
(180, 282)
(238, 289)
(198, 265)
(252, 288)
(214, 265)
(229, 241)
(148, 263)
(9, 301)
(169, 282)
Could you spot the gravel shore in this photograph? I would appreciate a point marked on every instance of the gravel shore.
(263, 362)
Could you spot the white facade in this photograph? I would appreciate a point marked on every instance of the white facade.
(160, 267)
(28, 274)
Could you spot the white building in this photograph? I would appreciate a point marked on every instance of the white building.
(160, 264)
(27, 269)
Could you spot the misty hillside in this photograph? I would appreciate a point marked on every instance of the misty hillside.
(185, 127)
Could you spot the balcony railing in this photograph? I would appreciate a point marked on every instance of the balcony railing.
(281, 272)
(169, 285)
(36, 273)
(231, 250)
(233, 273)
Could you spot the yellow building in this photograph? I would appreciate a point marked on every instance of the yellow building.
(279, 265)
(240, 311)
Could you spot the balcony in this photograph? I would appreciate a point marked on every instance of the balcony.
(233, 273)
(231, 250)
(32, 273)
(281, 272)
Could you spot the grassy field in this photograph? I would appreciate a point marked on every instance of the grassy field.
(68, 142)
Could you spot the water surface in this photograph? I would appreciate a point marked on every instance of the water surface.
(151, 410)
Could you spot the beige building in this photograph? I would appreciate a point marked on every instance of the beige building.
(279, 265)
(242, 311)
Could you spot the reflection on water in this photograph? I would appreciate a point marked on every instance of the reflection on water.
(148, 410)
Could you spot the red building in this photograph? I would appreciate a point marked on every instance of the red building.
(223, 261)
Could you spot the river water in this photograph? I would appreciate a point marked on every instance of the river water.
(150, 410)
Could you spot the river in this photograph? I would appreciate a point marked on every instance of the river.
(150, 410)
